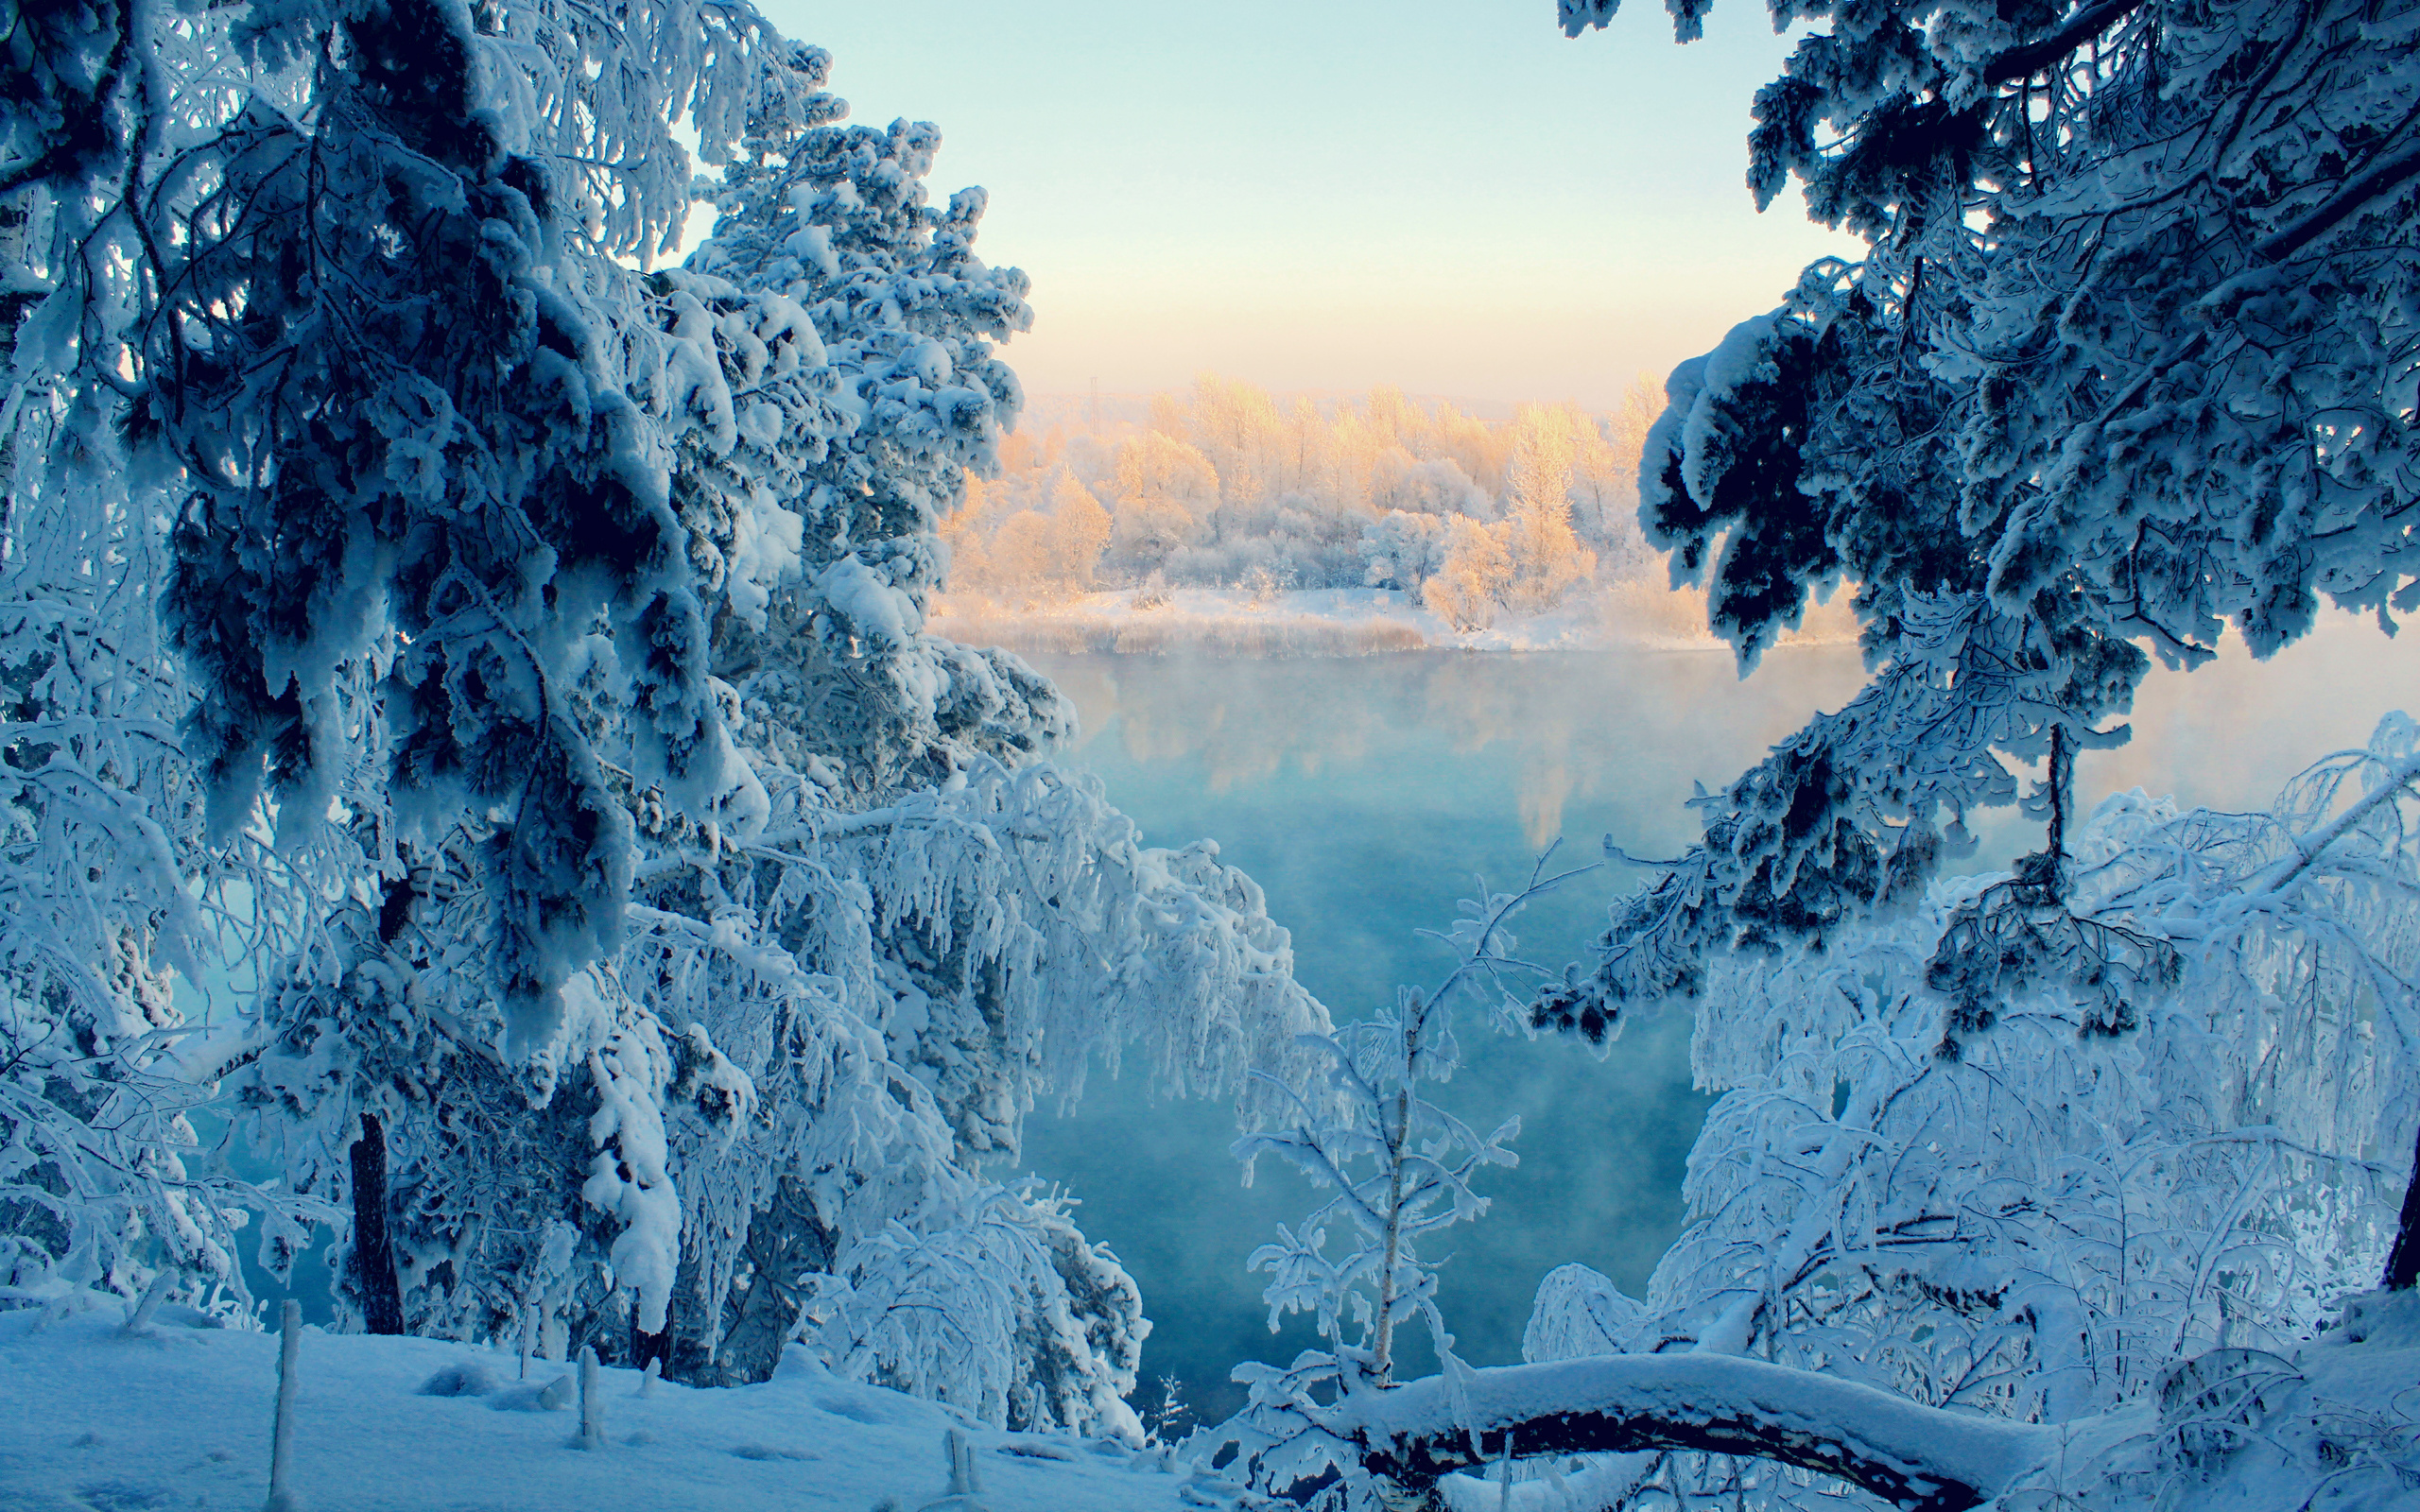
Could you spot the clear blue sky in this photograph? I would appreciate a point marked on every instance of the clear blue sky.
(1447, 194)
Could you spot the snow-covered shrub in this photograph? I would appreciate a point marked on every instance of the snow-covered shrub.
(1398, 1171)
(1004, 1309)
(2042, 1225)
(1402, 550)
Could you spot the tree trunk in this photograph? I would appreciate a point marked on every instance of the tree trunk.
(2403, 1262)
(646, 1346)
(373, 1254)
(2063, 786)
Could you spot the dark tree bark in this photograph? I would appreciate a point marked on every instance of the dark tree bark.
(2403, 1262)
(373, 1253)
(646, 1346)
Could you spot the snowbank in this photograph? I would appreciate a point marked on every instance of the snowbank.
(181, 1415)
(1345, 622)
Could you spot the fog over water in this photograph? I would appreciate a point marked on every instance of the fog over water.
(1363, 793)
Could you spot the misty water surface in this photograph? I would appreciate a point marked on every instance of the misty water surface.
(1362, 793)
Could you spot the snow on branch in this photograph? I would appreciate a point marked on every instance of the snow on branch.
(1923, 1459)
(2050, 1223)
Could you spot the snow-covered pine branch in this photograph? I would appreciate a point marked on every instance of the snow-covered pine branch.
(428, 425)
(2100, 389)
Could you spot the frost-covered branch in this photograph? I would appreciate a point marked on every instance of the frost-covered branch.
(1921, 1459)
(2041, 1226)
(2068, 267)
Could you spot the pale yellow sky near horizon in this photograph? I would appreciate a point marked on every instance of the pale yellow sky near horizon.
(1444, 195)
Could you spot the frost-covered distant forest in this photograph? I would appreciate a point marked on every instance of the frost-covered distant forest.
(1224, 486)
(489, 670)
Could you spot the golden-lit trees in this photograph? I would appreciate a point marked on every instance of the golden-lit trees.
(966, 534)
(1166, 490)
(1163, 468)
(1547, 559)
(1611, 486)
(1476, 577)
(1079, 533)
(1024, 551)
(1236, 429)
(1626, 428)
(1224, 486)
(997, 548)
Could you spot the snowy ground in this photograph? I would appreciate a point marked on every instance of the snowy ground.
(1343, 622)
(95, 1422)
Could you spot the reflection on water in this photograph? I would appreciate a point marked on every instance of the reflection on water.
(1362, 793)
(1545, 731)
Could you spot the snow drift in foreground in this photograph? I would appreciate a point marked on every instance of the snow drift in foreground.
(411, 1424)
(1346, 621)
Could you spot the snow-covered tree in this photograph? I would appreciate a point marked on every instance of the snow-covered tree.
(2065, 1157)
(2130, 359)
(1474, 577)
(659, 929)
(844, 975)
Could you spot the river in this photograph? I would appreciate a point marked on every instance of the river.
(1365, 793)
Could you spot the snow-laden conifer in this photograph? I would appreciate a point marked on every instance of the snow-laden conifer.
(2128, 362)
(850, 963)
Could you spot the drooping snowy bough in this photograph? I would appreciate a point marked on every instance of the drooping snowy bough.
(1920, 1458)
(2130, 360)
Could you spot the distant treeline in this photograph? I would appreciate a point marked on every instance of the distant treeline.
(1226, 488)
